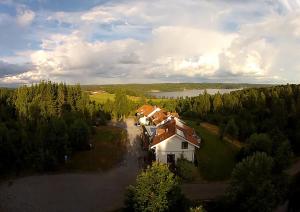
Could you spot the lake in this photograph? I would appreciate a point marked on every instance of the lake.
(190, 93)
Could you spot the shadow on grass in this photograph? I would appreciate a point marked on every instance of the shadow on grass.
(110, 147)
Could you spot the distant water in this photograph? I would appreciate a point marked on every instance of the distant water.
(189, 93)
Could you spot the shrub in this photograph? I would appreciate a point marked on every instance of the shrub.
(186, 169)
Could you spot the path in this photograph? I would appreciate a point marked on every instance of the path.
(216, 130)
(75, 192)
(204, 191)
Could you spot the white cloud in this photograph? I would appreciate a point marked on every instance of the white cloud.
(163, 40)
(24, 16)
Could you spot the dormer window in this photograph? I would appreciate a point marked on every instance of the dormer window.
(184, 145)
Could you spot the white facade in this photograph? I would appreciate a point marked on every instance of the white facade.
(143, 120)
(173, 145)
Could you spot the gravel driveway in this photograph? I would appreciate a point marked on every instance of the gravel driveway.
(75, 192)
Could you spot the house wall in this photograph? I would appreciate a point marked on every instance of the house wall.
(154, 111)
(173, 146)
(143, 120)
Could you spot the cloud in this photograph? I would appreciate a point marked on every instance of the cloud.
(7, 69)
(148, 41)
(24, 16)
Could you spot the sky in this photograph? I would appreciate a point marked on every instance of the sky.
(143, 41)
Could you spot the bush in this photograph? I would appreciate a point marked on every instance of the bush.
(156, 189)
(186, 169)
(252, 186)
(197, 209)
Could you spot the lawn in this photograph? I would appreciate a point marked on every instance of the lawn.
(216, 158)
(110, 147)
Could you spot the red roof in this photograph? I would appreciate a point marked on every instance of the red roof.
(170, 128)
(146, 109)
(159, 116)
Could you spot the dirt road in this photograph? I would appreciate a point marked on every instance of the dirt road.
(75, 192)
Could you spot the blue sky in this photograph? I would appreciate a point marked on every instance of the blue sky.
(141, 41)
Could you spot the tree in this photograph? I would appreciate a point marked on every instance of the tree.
(259, 142)
(121, 104)
(79, 135)
(231, 128)
(186, 169)
(251, 187)
(156, 189)
(217, 102)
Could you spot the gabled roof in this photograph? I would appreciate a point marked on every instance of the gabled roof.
(146, 110)
(159, 116)
(173, 127)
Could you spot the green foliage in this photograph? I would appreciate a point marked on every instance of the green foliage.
(42, 123)
(79, 134)
(156, 189)
(217, 102)
(216, 158)
(231, 128)
(259, 143)
(186, 169)
(122, 106)
(197, 209)
(252, 110)
(252, 186)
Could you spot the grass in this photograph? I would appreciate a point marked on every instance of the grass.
(103, 97)
(216, 158)
(110, 147)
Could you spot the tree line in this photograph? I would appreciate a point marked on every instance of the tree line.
(43, 124)
(274, 111)
(144, 89)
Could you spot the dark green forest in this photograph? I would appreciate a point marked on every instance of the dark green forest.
(274, 111)
(42, 124)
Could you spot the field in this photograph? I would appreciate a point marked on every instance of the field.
(110, 147)
(216, 158)
(103, 97)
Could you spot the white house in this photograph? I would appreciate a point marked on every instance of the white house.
(173, 140)
(145, 112)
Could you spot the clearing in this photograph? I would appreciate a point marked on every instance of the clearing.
(103, 97)
(216, 157)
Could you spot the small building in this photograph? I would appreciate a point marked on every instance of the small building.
(174, 140)
(145, 112)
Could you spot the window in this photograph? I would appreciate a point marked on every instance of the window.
(184, 145)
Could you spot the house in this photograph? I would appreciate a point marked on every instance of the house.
(152, 115)
(174, 140)
(145, 112)
(167, 136)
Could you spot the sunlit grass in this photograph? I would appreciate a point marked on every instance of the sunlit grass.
(103, 97)
(216, 157)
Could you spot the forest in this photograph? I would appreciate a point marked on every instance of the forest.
(41, 125)
(273, 111)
